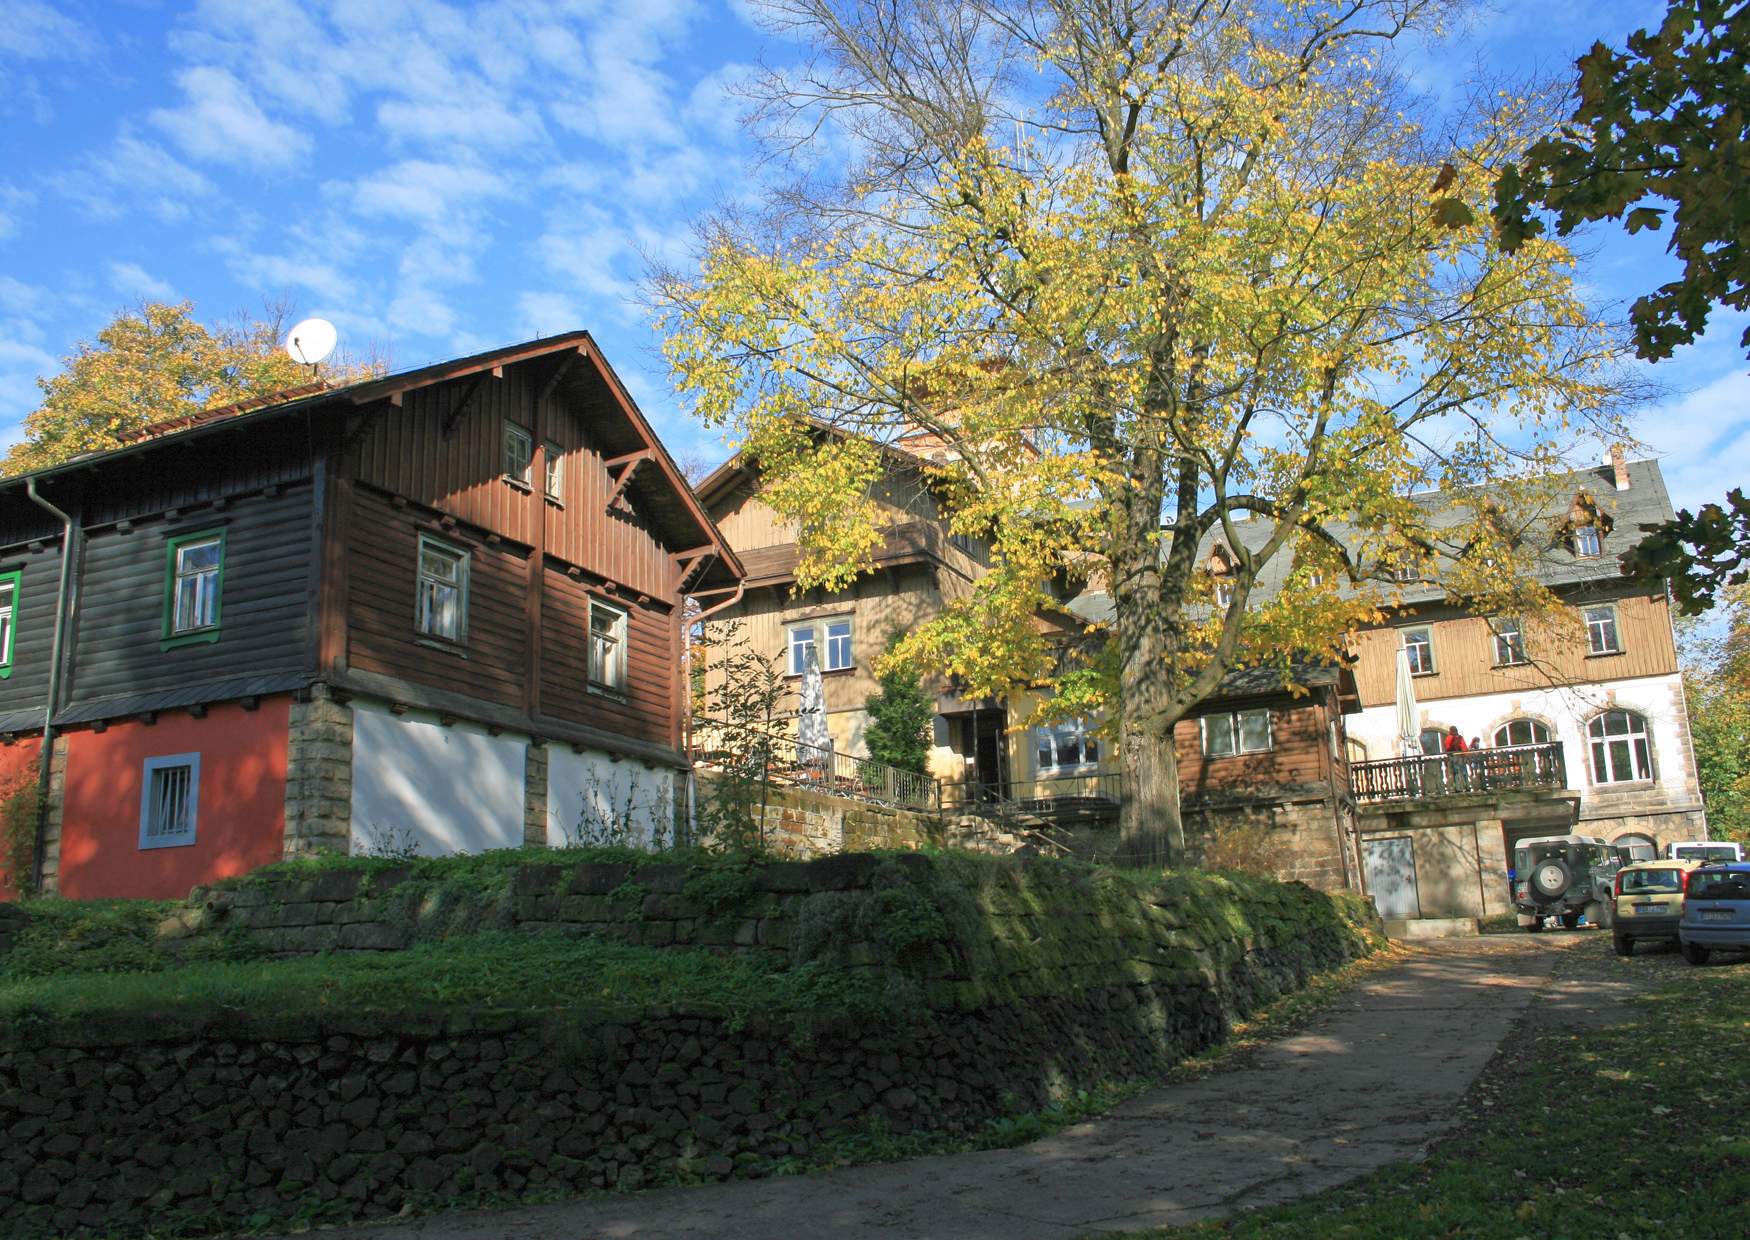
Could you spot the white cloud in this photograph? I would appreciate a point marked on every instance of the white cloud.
(274, 273)
(547, 314)
(134, 170)
(132, 279)
(426, 191)
(32, 30)
(1702, 438)
(14, 202)
(221, 123)
(482, 121)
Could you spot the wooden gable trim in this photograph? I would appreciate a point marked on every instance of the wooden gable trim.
(632, 462)
(659, 456)
(455, 416)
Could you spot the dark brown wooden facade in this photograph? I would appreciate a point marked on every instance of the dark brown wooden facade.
(322, 501)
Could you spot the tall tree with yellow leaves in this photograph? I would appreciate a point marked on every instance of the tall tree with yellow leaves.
(151, 363)
(1155, 273)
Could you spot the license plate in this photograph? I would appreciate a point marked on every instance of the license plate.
(1717, 914)
(1649, 908)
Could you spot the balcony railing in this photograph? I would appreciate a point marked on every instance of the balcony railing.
(1057, 798)
(784, 761)
(1507, 769)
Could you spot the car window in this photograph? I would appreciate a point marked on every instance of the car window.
(1651, 880)
(1709, 854)
(1732, 885)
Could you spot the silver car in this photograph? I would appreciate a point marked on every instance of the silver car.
(1716, 912)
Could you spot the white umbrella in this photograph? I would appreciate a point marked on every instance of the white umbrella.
(811, 715)
(1409, 730)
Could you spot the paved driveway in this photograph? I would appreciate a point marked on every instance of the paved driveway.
(1372, 1080)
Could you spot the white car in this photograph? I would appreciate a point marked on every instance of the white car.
(1708, 852)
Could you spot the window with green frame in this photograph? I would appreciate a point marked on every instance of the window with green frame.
(194, 584)
(8, 619)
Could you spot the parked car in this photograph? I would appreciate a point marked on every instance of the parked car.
(1708, 852)
(1633, 853)
(1564, 876)
(1716, 911)
(1649, 901)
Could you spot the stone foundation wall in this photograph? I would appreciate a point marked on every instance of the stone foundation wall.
(319, 775)
(1294, 841)
(802, 823)
(655, 905)
(1069, 978)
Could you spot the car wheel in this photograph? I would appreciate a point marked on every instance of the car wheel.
(1600, 914)
(1570, 920)
(1624, 945)
(1695, 953)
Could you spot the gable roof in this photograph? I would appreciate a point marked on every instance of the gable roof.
(675, 504)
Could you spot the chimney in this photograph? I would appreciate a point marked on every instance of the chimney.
(1619, 466)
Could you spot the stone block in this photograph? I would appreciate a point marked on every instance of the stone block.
(597, 878)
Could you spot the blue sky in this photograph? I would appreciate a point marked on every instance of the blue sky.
(438, 178)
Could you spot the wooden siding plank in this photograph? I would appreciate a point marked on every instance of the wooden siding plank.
(264, 613)
(1465, 665)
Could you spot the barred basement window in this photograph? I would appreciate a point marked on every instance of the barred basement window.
(170, 800)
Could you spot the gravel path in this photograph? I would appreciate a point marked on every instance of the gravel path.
(1372, 1079)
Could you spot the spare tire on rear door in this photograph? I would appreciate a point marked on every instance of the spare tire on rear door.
(1549, 879)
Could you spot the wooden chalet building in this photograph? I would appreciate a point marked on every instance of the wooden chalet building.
(434, 611)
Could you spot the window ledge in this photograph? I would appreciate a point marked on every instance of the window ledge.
(1603, 654)
(194, 638)
(435, 643)
(518, 484)
(617, 695)
(1430, 672)
(825, 671)
(1626, 785)
(187, 843)
(554, 501)
(1515, 663)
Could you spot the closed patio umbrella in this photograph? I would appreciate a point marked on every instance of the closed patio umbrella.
(1409, 726)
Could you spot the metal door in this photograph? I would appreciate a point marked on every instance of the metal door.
(1391, 876)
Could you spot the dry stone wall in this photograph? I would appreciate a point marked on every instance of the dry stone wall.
(1027, 981)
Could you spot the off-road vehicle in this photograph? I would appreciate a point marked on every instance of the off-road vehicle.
(1564, 876)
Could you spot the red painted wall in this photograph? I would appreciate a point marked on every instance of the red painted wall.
(18, 766)
(240, 823)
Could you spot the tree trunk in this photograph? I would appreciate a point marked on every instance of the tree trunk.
(1150, 830)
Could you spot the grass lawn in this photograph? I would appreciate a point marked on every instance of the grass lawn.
(1636, 1130)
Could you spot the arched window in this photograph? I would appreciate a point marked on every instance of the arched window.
(1433, 741)
(1522, 732)
(1621, 752)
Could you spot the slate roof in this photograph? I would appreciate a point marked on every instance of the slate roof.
(1646, 502)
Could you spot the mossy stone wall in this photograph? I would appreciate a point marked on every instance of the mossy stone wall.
(1012, 984)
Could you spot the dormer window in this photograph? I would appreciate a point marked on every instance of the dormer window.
(1588, 542)
(1224, 593)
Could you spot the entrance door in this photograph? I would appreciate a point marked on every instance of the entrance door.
(1391, 876)
(990, 764)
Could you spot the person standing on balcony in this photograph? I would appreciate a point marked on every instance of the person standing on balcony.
(1453, 746)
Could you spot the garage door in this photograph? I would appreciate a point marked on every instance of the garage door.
(1391, 876)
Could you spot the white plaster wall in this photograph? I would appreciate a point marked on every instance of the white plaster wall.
(1567, 711)
(592, 799)
(437, 789)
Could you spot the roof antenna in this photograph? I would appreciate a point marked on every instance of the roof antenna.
(310, 342)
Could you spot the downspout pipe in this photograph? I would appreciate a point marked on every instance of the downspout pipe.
(46, 757)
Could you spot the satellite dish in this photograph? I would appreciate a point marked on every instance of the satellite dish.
(311, 341)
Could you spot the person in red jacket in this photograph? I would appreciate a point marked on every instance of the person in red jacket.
(1454, 747)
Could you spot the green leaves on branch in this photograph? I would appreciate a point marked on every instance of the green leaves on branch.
(1702, 553)
(1668, 120)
